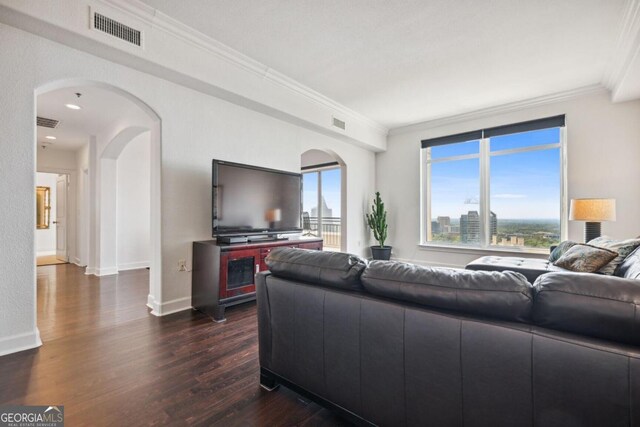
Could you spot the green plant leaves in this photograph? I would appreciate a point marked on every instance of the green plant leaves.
(377, 220)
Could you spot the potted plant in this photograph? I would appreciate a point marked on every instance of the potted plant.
(377, 222)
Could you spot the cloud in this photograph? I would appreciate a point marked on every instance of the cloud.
(509, 196)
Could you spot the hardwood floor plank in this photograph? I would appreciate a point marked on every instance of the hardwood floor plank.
(111, 363)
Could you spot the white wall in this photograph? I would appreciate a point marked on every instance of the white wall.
(133, 202)
(316, 157)
(52, 158)
(82, 195)
(603, 148)
(195, 128)
(46, 237)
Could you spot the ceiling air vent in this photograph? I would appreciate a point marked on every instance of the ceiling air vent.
(339, 123)
(47, 123)
(117, 29)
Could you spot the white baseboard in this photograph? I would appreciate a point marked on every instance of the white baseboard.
(20, 342)
(106, 271)
(169, 307)
(133, 265)
(89, 271)
(428, 264)
(46, 253)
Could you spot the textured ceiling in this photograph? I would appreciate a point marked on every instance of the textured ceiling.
(400, 62)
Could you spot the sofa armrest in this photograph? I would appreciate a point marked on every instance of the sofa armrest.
(589, 304)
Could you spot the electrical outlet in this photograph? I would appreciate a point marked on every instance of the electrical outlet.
(182, 265)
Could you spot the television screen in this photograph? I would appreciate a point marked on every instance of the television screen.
(247, 199)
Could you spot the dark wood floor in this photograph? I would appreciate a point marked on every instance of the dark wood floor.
(110, 362)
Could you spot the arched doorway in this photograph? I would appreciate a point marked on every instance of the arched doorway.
(324, 202)
(128, 117)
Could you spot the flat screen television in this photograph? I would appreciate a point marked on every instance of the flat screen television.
(249, 200)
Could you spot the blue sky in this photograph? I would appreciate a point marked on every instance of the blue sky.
(330, 190)
(523, 186)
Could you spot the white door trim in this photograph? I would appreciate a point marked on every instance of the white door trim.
(62, 216)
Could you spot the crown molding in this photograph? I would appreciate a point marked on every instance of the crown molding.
(627, 45)
(501, 109)
(187, 34)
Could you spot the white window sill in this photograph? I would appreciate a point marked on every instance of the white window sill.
(540, 253)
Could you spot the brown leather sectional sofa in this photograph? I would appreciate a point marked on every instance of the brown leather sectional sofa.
(395, 344)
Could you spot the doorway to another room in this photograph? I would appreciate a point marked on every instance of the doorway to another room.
(52, 219)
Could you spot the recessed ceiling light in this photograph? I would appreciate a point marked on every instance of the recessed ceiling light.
(50, 137)
(72, 106)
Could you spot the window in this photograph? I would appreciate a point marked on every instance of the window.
(496, 188)
(322, 187)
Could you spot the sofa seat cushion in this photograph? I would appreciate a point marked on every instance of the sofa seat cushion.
(504, 295)
(334, 269)
(531, 268)
(589, 304)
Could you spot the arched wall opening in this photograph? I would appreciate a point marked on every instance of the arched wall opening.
(99, 241)
(324, 198)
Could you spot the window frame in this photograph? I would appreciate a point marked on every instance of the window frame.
(484, 155)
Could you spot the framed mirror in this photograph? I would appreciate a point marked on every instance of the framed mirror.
(43, 207)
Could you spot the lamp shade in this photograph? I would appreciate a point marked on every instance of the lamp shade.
(273, 215)
(593, 210)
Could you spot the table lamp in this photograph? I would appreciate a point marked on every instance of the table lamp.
(593, 212)
(273, 216)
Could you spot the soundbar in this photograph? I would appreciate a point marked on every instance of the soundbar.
(232, 239)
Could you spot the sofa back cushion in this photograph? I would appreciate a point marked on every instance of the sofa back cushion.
(334, 269)
(504, 295)
(630, 267)
(589, 304)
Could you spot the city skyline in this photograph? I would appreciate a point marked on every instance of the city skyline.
(510, 232)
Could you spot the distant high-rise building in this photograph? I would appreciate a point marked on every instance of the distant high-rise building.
(444, 220)
(494, 225)
(470, 227)
(327, 212)
(435, 227)
(444, 223)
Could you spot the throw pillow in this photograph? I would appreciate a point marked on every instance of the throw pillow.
(585, 258)
(561, 249)
(623, 247)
